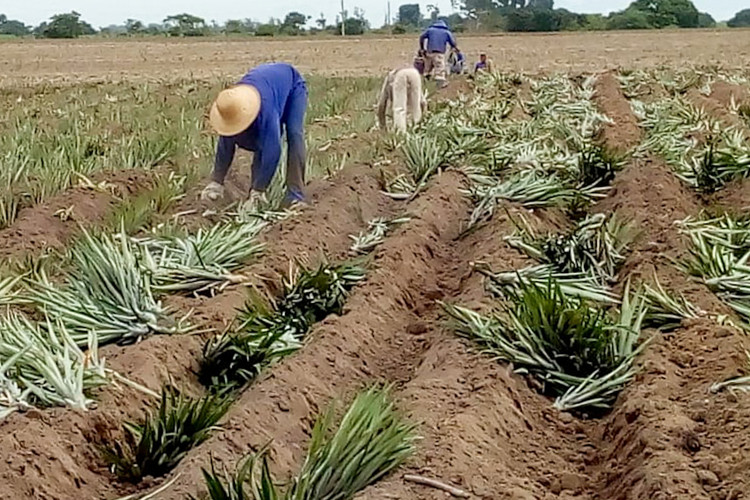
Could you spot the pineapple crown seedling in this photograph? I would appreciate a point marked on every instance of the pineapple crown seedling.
(202, 262)
(268, 332)
(43, 366)
(108, 292)
(719, 252)
(371, 440)
(597, 245)
(156, 446)
(577, 351)
(666, 310)
(366, 241)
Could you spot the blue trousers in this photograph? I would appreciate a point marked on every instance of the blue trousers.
(294, 126)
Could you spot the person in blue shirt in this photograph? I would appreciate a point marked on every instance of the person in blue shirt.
(456, 61)
(484, 64)
(434, 42)
(269, 100)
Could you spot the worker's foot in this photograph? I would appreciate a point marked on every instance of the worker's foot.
(256, 202)
(293, 200)
(441, 84)
(212, 192)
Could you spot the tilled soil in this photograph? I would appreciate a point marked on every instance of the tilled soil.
(45, 226)
(484, 429)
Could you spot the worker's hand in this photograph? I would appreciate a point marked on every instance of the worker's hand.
(213, 191)
(255, 202)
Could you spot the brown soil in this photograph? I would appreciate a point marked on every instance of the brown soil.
(658, 442)
(718, 110)
(484, 428)
(38, 228)
(726, 93)
(345, 203)
(624, 134)
(56, 62)
(735, 196)
(457, 86)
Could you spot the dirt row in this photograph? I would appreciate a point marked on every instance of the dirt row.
(75, 465)
(484, 428)
(664, 439)
(44, 226)
(667, 438)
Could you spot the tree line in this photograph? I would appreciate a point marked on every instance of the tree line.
(469, 15)
(70, 25)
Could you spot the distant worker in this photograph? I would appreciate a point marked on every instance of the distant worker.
(402, 91)
(484, 64)
(434, 41)
(456, 62)
(252, 115)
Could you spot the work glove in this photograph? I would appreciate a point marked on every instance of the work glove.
(213, 191)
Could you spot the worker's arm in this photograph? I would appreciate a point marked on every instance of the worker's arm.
(266, 159)
(422, 39)
(224, 155)
(452, 41)
(383, 104)
(490, 66)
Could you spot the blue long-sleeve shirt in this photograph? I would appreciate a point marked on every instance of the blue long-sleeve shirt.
(283, 99)
(437, 36)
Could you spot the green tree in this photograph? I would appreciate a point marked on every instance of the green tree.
(271, 28)
(134, 27)
(663, 13)
(541, 4)
(354, 26)
(185, 25)
(234, 26)
(594, 22)
(64, 26)
(434, 11)
(293, 23)
(532, 20)
(410, 15)
(629, 19)
(321, 21)
(706, 20)
(740, 19)
(12, 27)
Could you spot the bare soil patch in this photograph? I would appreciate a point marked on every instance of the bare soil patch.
(51, 224)
(63, 62)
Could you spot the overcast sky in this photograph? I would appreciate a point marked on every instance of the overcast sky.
(102, 13)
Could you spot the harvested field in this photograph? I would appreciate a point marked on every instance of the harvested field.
(548, 275)
(83, 60)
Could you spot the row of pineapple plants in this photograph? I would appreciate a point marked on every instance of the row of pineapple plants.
(707, 154)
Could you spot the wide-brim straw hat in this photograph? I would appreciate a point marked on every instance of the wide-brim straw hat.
(235, 109)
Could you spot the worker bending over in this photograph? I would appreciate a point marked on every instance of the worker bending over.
(252, 115)
(402, 90)
(434, 42)
(456, 62)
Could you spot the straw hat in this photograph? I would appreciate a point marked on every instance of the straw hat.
(235, 109)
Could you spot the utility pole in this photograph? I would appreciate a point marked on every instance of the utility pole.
(389, 13)
(343, 19)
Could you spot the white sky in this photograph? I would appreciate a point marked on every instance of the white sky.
(102, 12)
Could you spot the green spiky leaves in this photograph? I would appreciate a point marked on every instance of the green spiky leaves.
(576, 350)
(268, 332)
(371, 440)
(157, 445)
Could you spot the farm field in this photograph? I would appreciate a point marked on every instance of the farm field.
(540, 292)
(106, 60)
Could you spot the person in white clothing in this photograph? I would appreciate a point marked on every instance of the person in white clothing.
(402, 91)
